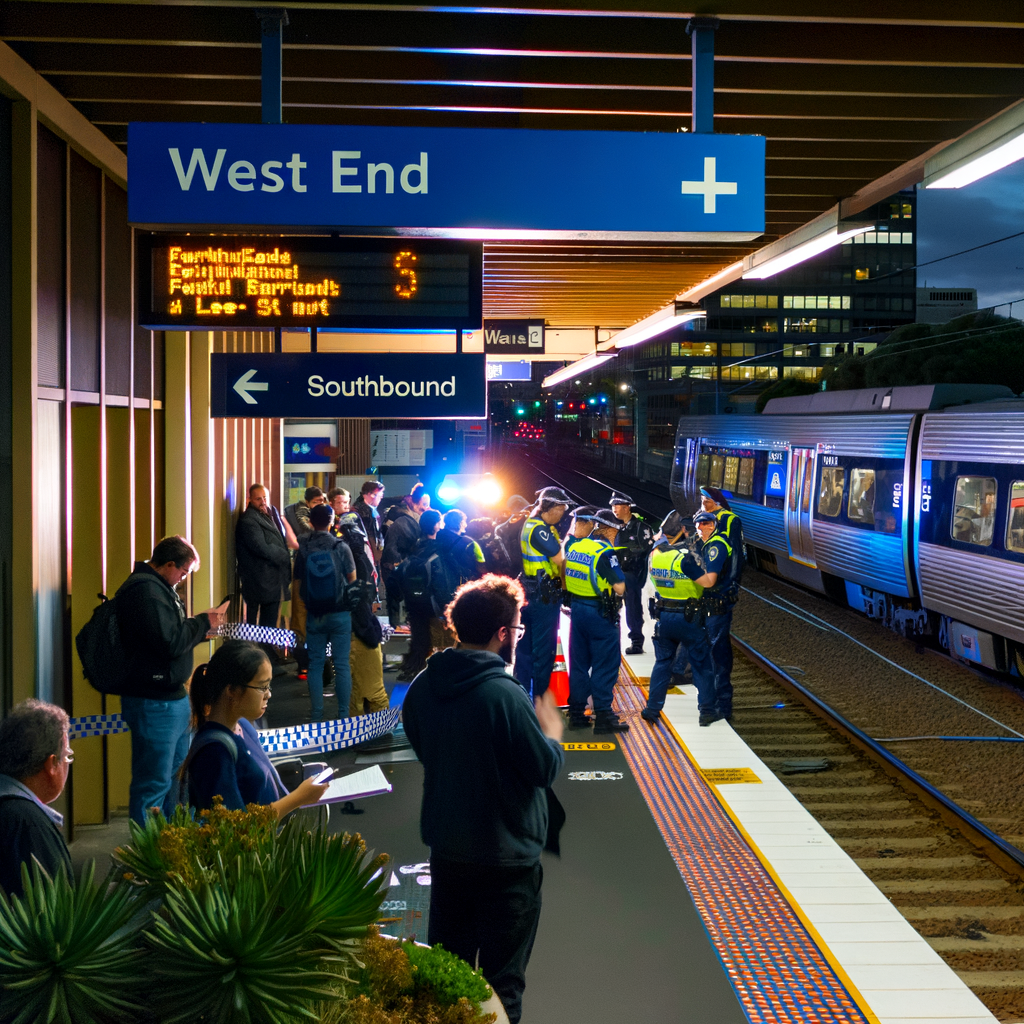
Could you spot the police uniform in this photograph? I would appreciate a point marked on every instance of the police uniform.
(635, 540)
(591, 570)
(535, 652)
(717, 554)
(680, 627)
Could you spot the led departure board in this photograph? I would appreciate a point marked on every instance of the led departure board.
(223, 283)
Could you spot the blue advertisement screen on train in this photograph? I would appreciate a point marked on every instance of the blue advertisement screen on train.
(775, 480)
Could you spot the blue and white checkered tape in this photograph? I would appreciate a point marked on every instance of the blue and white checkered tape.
(336, 734)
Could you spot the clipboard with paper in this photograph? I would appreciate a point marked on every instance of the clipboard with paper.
(369, 782)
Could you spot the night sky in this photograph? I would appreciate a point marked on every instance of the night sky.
(950, 220)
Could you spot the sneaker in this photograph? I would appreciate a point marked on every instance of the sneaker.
(329, 693)
(710, 717)
(635, 649)
(580, 722)
(650, 716)
(607, 724)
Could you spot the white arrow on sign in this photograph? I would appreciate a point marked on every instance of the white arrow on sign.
(243, 386)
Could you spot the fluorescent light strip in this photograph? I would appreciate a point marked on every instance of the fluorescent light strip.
(814, 247)
(657, 323)
(580, 366)
(988, 163)
(731, 273)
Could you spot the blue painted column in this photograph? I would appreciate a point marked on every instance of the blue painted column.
(702, 50)
(272, 23)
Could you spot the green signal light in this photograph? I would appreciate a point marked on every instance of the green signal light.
(536, 405)
(520, 412)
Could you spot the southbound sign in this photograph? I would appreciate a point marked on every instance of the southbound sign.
(460, 182)
(338, 384)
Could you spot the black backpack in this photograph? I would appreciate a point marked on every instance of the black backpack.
(105, 662)
(509, 537)
(324, 581)
(417, 579)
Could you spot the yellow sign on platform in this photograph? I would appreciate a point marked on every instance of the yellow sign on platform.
(588, 746)
(725, 776)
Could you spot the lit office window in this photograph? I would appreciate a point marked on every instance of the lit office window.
(815, 301)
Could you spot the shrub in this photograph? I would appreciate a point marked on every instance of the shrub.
(70, 953)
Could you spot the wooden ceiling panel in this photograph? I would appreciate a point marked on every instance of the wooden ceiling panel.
(843, 94)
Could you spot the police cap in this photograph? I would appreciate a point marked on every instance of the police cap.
(605, 517)
(673, 524)
(554, 496)
(618, 498)
(716, 496)
(585, 512)
(706, 517)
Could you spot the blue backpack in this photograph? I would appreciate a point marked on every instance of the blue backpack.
(325, 582)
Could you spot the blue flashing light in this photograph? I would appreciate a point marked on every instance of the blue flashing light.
(603, 400)
(559, 404)
(449, 493)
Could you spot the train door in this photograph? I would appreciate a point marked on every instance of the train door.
(798, 505)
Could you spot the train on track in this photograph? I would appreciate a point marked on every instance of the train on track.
(905, 503)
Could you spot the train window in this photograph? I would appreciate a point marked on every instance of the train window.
(732, 472)
(830, 497)
(717, 470)
(1015, 522)
(974, 510)
(703, 466)
(745, 480)
(861, 503)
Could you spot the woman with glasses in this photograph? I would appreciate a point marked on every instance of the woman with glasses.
(226, 758)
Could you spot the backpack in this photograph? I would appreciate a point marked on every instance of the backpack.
(325, 583)
(417, 580)
(203, 739)
(508, 535)
(105, 662)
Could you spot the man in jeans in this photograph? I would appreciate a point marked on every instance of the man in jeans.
(321, 582)
(158, 638)
(488, 755)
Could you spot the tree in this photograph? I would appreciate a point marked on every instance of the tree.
(979, 348)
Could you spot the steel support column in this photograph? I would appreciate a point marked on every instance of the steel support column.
(702, 50)
(272, 23)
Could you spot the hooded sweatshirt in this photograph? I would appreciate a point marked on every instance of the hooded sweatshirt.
(486, 762)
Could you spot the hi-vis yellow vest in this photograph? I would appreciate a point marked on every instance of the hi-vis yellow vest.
(534, 563)
(668, 577)
(581, 577)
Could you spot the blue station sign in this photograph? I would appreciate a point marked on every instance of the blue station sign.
(458, 182)
(335, 385)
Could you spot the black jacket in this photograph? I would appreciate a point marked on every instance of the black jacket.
(28, 832)
(486, 763)
(157, 635)
(403, 534)
(264, 562)
(371, 524)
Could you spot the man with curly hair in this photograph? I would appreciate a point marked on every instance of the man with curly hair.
(489, 756)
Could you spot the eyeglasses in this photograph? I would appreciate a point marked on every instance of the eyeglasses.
(69, 756)
(262, 689)
(518, 630)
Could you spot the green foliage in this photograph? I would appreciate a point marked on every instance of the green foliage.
(406, 984)
(70, 953)
(230, 952)
(979, 348)
(446, 975)
(786, 388)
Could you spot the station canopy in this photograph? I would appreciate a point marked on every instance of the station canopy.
(844, 94)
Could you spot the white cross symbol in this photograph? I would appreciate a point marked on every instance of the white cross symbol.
(709, 188)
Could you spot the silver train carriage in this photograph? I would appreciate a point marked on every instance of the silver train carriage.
(904, 503)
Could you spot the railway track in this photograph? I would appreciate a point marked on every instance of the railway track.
(955, 879)
(959, 885)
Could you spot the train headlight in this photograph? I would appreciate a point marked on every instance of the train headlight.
(488, 491)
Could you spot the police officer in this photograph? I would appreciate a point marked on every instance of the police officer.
(716, 555)
(636, 538)
(729, 524)
(595, 581)
(582, 525)
(680, 624)
(541, 548)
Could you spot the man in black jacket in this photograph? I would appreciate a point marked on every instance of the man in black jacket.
(264, 563)
(488, 757)
(403, 534)
(158, 638)
(34, 759)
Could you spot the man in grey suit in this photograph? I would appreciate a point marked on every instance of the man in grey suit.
(264, 563)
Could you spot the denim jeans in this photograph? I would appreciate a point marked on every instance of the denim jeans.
(160, 738)
(674, 637)
(535, 652)
(335, 627)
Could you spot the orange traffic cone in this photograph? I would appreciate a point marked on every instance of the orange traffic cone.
(559, 684)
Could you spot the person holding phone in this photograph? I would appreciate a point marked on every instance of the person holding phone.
(228, 694)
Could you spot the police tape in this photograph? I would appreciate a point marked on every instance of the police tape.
(336, 734)
(272, 635)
